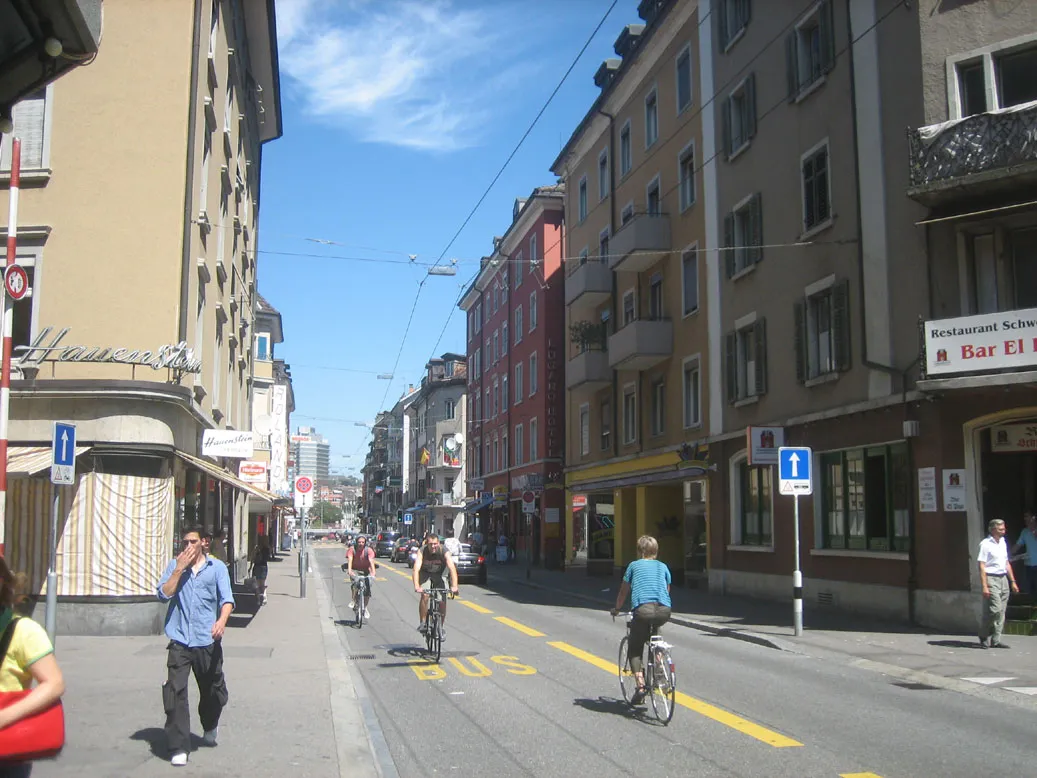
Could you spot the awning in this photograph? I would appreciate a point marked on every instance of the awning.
(222, 474)
(29, 460)
(477, 505)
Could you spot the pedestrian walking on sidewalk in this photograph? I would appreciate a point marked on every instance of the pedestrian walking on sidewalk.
(1028, 540)
(197, 588)
(26, 655)
(995, 574)
(260, 557)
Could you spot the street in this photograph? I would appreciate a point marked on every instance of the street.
(527, 685)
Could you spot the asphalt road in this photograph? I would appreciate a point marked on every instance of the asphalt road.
(527, 686)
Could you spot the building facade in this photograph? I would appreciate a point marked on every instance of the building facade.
(142, 262)
(311, 454)
(516, 348)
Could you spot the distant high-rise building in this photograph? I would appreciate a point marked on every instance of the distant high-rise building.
(312, 453)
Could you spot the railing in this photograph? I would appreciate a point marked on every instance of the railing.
(574, 264)
(977, 144)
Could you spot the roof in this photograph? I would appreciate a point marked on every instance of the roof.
(270, 315)
(263, 306)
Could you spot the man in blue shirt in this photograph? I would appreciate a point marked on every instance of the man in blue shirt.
(197, 588)
(1028, 540)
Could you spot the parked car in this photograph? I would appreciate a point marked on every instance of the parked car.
(470, 565)
(401, 549)
(384, 543)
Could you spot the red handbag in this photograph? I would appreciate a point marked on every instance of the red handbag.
(39, 736)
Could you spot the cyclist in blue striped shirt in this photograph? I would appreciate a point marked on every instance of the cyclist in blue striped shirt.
(647, 581)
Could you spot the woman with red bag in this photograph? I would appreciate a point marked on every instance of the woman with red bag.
(29, 656)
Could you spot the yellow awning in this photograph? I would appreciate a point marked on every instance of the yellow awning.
(222, 474)
(24, 461)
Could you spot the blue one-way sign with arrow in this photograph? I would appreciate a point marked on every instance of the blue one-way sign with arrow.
(63, 454)
(794, 476)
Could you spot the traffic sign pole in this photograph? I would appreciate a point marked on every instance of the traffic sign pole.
(795, 477)
(62, 473)
(797, 581)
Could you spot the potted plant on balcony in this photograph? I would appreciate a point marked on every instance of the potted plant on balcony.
(588, 335)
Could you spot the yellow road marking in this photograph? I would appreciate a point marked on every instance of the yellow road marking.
(474, 607)
(859, 775)
(719, 715)
(520, 627)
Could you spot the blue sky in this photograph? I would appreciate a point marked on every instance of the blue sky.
(397, 115)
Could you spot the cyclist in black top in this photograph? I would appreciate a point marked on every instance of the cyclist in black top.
(430, 564)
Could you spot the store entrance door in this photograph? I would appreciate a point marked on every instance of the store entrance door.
(1009, 484)
(696, 541)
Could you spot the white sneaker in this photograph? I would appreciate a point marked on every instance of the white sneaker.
(179, 760)
(210, 735)
(421, 628)
(367, 613)
(352, 605)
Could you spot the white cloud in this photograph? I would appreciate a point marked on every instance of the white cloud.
(412, 73)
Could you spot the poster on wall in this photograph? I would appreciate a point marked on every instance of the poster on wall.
(954, 490)
(763, 443)
(552, 516)
(927, 490)
(1013, 437)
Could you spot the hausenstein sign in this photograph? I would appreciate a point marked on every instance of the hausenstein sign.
(990, 341)
(170, 357)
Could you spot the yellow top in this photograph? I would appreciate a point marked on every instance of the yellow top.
(28, 645)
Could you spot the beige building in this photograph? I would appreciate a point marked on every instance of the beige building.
(638, 369)
(137, 225)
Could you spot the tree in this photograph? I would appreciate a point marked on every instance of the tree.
(322, 513)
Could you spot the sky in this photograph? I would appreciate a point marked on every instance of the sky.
(397, 115)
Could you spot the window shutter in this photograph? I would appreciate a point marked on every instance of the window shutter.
(756, 221)
(827, 37)
(841, 324)
(28, 116)
(729, 242)
(750, 103)
(792, 65)
(731, 352)
(760, 331)
(799, 311)
(725, 116)
(722, 23)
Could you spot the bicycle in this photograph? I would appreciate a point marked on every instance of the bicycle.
(660, 675)
(362, 592)
(434, 621)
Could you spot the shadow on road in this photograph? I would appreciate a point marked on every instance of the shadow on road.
(156, 740)
(956, 644)
(613, 706)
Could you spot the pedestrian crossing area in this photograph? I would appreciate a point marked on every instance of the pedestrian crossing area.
(1003, 682)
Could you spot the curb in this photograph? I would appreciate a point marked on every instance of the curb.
(726, 632)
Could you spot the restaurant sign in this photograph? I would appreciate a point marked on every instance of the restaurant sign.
(990, 341)
(45, 348)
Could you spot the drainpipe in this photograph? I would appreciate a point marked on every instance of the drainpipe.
(189, 211)
(615, 285)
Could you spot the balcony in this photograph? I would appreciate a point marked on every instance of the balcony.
(985, 155)
(640, 243)
(587, 285)
(589, 369)
(641, 344)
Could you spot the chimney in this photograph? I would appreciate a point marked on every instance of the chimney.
(607, 72)
(628, 39)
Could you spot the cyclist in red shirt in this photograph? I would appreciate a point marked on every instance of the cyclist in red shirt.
(360, 561)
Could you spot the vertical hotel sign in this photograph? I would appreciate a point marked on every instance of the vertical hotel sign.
(990, 341)
(279, 441)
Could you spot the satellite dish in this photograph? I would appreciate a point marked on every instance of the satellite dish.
(264, 425)
(450, 444)
(458, 438)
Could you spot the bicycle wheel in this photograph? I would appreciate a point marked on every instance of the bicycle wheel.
(662, 682)
(360, 605)
(626, 678)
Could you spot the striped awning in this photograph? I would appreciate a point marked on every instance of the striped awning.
(222, 474)
(24, 461)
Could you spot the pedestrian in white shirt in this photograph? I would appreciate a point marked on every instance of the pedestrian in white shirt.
(995, 573)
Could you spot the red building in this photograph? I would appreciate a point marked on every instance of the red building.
(516, 383)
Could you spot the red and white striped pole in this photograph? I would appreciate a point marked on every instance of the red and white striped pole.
(5, 367)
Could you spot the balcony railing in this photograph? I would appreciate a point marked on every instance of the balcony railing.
(640, 243)
(977, 155)
(641, 344)
(589, 368)
(588, 283)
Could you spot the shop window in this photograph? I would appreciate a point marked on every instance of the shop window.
(756, 504)
(866, 498)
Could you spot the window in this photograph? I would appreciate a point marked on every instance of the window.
(658, 407)
(866, 498)
(32, 125)
(478, 318)
(1002, 270)
(534, 442)
(743, 235)
(629, 414)
(505, 451)
(625, 158)
(746, 349)
(518, 445)
(496, 347)
(448, 409)
(519, 385)
(756, 490)
(496, 396)
(603, 174)
(655, 297)
(822, 335)
(972, 87)
(651, 118)
(517, 262)
(585, 429)
(532, 311)
(810, 50)
(504, 391)
(732, 20)
(489, 457)
(817, 206)
(606, 424)
(263, 347)
(533, 374)
(24, 323)
(518, 324)
(1014, 82)
(629, 307)
(583, 198)
(478, 410)
(739, 116)
(533, 257)
(496, 299)
(683, 78)
(692, 393)
(496, 453)
(486, 361)
(653, 198)
(603, 245)
(686, 176)
(690, 280)
(490, 412)
(627, 214)
(504, 338)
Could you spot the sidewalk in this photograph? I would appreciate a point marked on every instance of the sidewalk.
(946, 660)
(285, 681)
